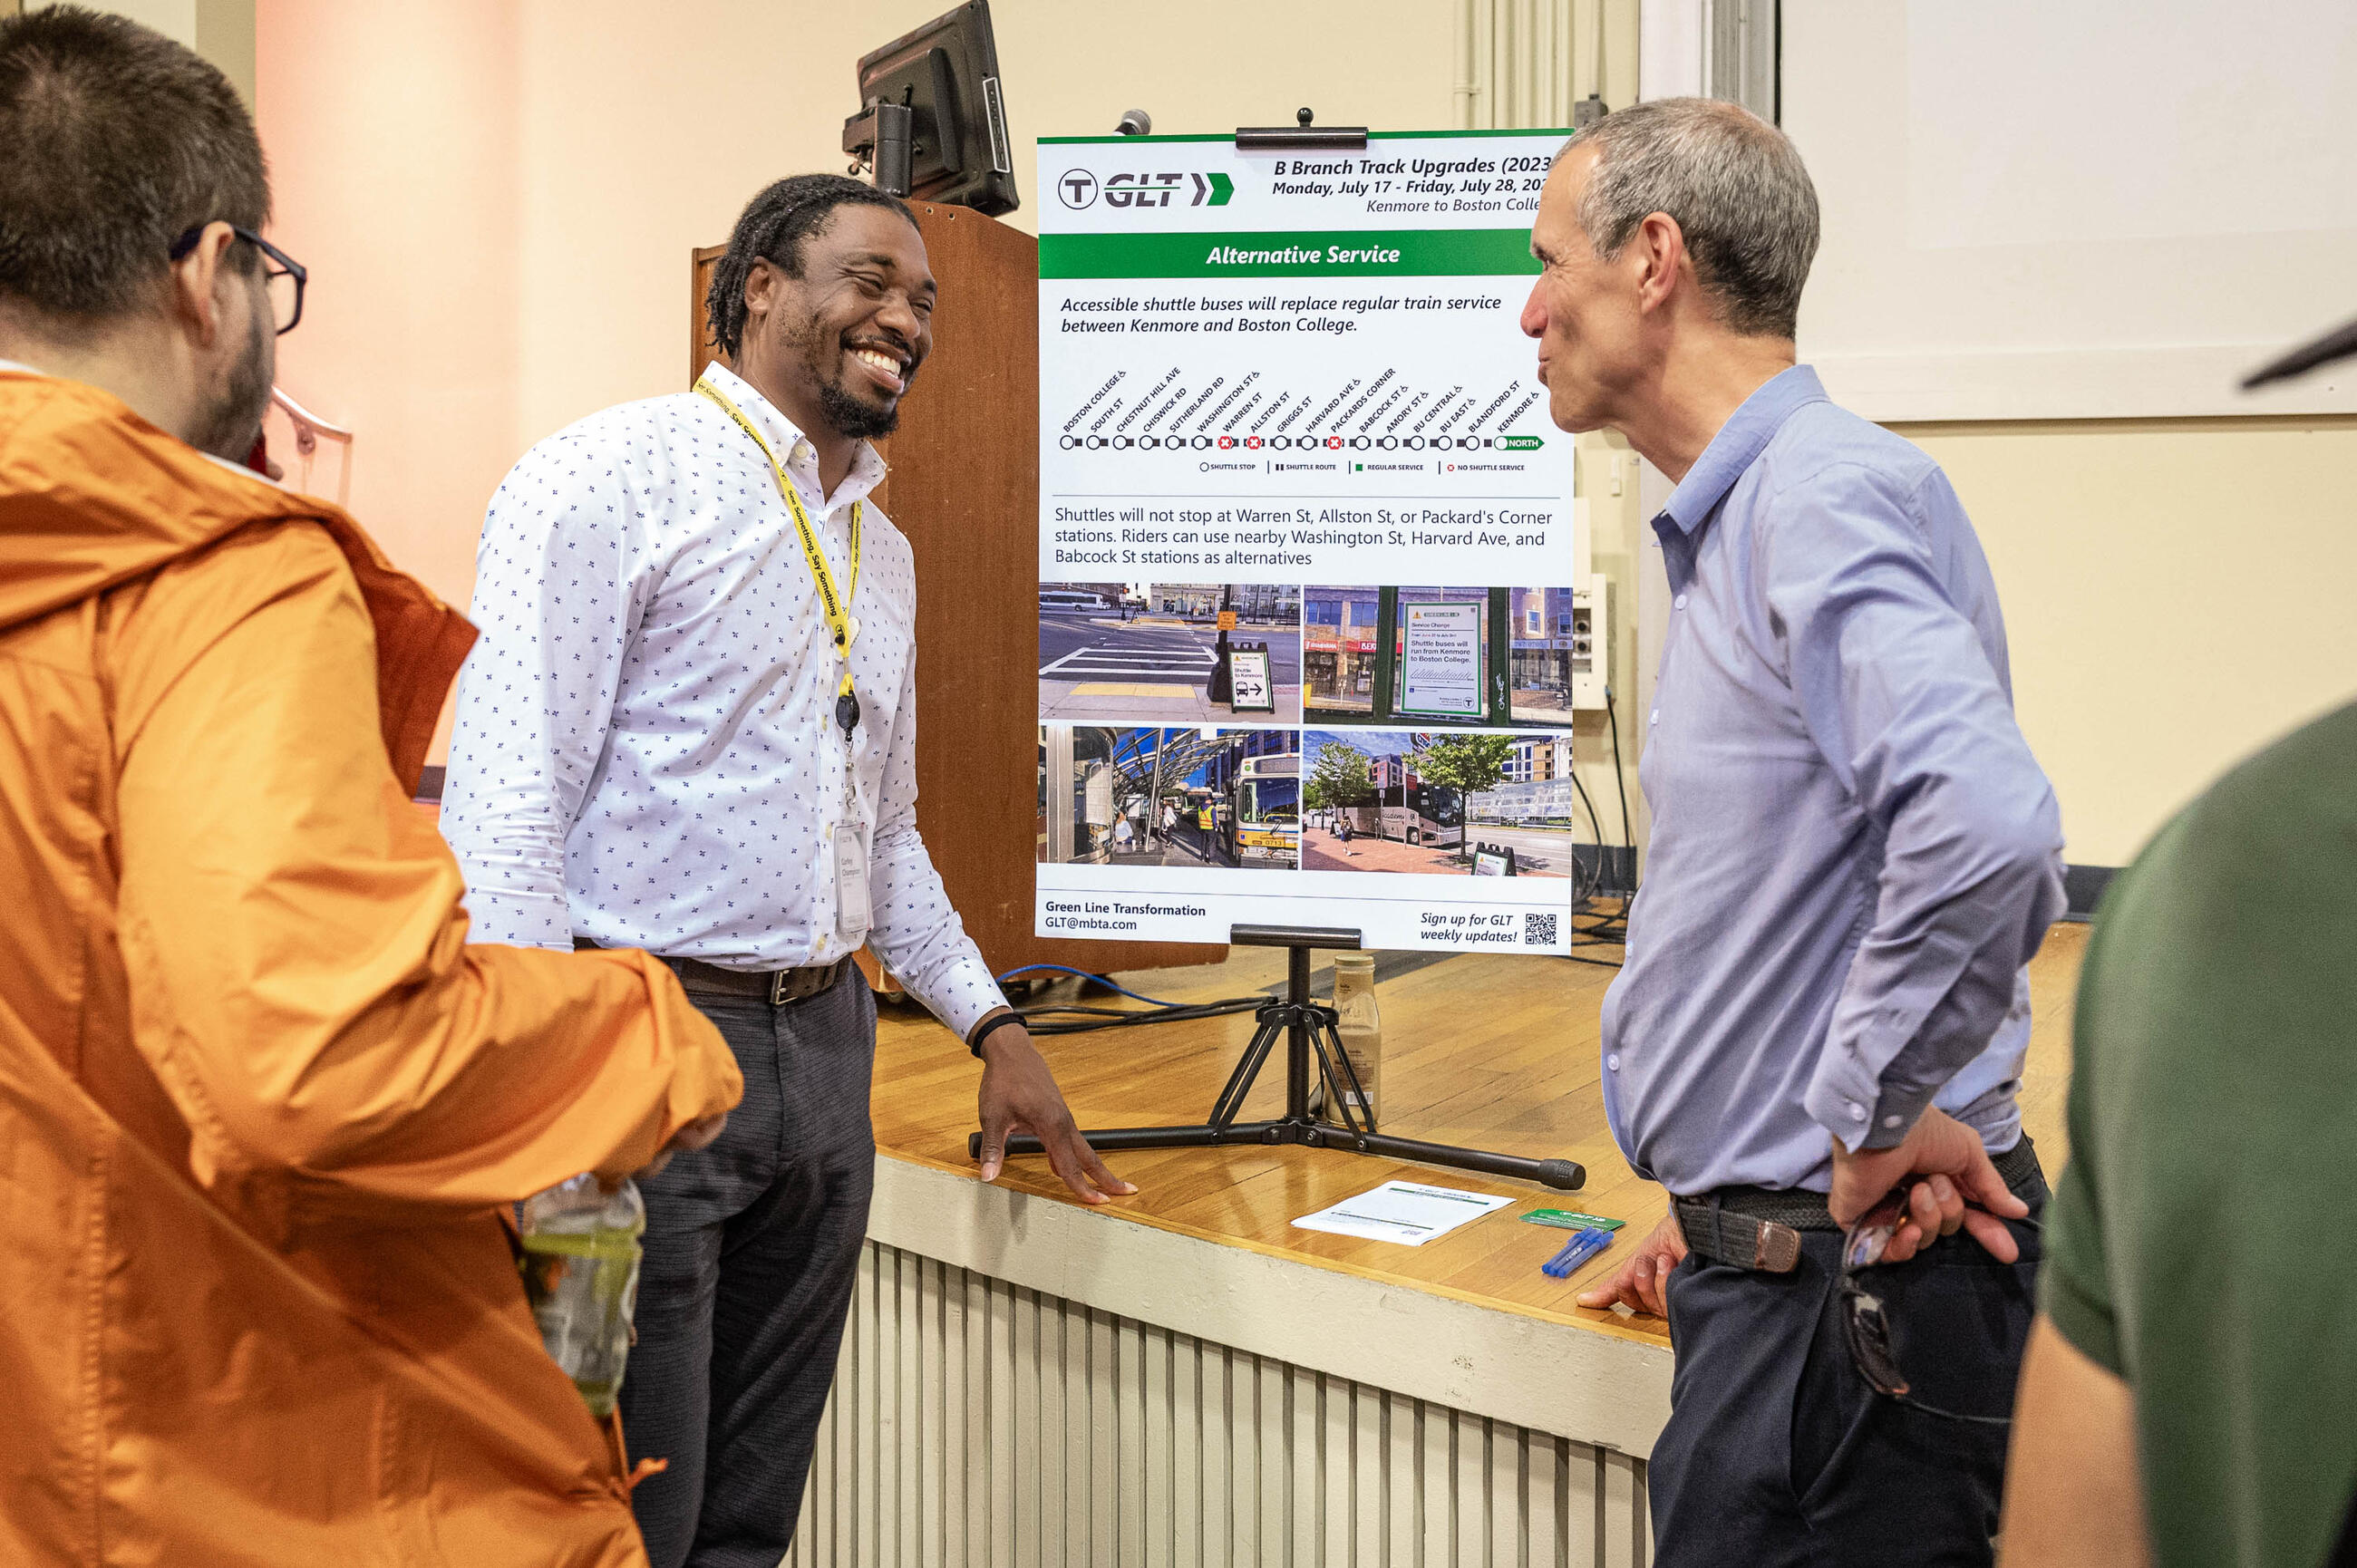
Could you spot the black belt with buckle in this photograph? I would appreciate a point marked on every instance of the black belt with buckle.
(775, 986)
(1758, 1227)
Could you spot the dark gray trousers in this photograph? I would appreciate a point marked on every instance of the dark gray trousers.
(752, 1246)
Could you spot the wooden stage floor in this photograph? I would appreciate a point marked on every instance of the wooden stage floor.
(1483, 1050)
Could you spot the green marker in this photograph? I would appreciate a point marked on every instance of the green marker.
(1567, 1219)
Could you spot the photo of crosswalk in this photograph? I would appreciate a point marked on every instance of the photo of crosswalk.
(1150, 654)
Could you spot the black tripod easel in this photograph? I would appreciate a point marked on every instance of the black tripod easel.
(1308, 1029)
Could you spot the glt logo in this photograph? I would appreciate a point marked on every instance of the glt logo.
(1140, 189)
(1078, 188)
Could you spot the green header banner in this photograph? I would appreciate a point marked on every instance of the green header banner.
(1338, 253)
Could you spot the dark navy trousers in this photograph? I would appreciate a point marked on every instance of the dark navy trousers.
(1778, 1455)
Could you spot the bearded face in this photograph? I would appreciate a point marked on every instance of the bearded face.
(851, 332)
(239, 395)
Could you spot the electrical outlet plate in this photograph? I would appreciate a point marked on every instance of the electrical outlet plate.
(1591, 646)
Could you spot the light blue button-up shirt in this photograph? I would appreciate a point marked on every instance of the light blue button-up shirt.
(1854, 853)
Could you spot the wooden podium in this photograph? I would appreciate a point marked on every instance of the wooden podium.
(964, 485)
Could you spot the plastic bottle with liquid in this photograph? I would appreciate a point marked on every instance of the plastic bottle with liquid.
(1361, 1028)
(580, 1266)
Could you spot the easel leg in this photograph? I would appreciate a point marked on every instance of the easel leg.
(1307, 1027)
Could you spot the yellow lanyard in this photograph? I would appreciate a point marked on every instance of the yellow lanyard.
(837, 607)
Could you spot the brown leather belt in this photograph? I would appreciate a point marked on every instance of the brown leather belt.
(776, 986)
(1758, 1229)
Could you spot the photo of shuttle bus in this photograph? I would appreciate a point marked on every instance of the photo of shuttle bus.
(1201, 796)
(1265, 809)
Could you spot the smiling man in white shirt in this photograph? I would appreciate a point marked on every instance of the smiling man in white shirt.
(690, 727)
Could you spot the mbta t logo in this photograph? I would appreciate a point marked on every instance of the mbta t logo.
(1141, 189)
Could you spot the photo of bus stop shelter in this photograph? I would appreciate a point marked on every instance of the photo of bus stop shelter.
(1475, 658)
(1225, 799)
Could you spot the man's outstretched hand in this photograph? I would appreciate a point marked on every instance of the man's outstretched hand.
(1020, 1095)
(1961, 1188)
(1642, 1281)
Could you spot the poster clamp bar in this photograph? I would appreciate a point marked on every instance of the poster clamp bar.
(1310, 1032)
(1301, 137)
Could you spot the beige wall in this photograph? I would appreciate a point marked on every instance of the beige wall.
(496, 201)
(392, 136)
(646, 128)
(221, 30)
(2177, 593)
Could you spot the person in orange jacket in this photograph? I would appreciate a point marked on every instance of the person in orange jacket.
(262, 1107)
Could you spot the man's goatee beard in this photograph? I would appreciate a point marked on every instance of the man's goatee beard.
(849, 417)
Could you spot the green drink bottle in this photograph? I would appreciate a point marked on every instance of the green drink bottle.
(581, 1274)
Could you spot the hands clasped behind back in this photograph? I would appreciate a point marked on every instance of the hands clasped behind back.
(1960, 1189)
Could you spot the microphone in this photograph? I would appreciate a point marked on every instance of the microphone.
(2337, 344)
(1135, 123)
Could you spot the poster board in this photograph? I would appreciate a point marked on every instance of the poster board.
(1286, 395)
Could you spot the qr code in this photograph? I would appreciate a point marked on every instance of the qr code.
(1538, 930)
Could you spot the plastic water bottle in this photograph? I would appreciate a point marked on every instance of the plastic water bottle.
(581, 1274)
(1361, 1027)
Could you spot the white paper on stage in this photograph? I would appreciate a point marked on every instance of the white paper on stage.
(1407, 1212)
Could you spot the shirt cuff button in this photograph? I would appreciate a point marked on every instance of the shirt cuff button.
(1613, 1061)
(1856, 1112)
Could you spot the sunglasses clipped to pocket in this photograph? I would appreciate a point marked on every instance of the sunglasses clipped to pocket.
(1865, 1322)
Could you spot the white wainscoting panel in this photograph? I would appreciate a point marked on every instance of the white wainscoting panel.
(979, 1423)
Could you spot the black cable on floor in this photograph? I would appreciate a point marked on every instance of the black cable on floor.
(1071, 1018)
(1620, 782)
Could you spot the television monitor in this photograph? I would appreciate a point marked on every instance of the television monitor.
(945, 74)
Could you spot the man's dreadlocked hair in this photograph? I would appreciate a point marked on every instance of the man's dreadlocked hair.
(772, 229)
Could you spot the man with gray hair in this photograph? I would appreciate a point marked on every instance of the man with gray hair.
(1822, 1016)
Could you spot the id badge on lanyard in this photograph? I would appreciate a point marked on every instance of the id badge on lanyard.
(851, 910)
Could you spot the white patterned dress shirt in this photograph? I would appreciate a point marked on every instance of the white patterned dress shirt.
(646, 752)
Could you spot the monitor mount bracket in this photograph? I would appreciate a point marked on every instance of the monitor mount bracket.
(879, 137)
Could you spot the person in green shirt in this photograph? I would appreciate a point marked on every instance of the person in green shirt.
(2190, 1395)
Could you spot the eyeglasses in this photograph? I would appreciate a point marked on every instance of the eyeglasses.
(284, 276)
(1865, 1324)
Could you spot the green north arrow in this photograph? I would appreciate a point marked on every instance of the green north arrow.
(1520, 443)
(1222, 187)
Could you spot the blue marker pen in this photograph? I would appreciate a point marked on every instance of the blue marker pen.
(1585, 1243)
